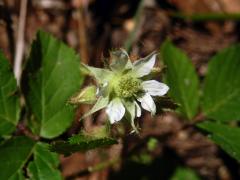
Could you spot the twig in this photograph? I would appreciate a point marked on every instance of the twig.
(98, 167)
(82, 35)
(104, 165)
(20, 41)
(24, 130)
(206, 16)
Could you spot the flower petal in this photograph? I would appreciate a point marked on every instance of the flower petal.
(144, 66)
(138, 109)
(155, 88)
(115, 110)
(147, 103)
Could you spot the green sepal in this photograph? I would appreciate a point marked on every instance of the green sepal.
(131, 114)
(101, 103)
(120, 60)
(101, 75)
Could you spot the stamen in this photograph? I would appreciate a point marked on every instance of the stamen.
(128, 86)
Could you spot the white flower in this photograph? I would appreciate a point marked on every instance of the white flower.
(115, 110)
(122, 88)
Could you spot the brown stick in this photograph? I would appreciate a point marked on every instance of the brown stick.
(20, 41)
(95, 168)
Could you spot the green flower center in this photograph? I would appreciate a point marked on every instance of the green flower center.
(128, 86)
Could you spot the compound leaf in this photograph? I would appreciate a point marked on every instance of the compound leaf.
(14, 154)
(221, 94)
(225, 136)
(44, 164)
(9, 102)
(51, 76)
(182, 79)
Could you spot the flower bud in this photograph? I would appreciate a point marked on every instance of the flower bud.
(86, 96)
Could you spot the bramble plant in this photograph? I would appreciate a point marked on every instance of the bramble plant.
(51, 86)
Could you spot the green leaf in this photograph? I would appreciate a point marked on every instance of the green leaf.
(14, 154)
(18, 176)
(221, 94)
(81, 143)
(152, 144)
(225, 136)
(17, 151)
(184, 174)
(44, 164)
(182, 79)
(9, 102)
(143, 158)
(51, 76)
